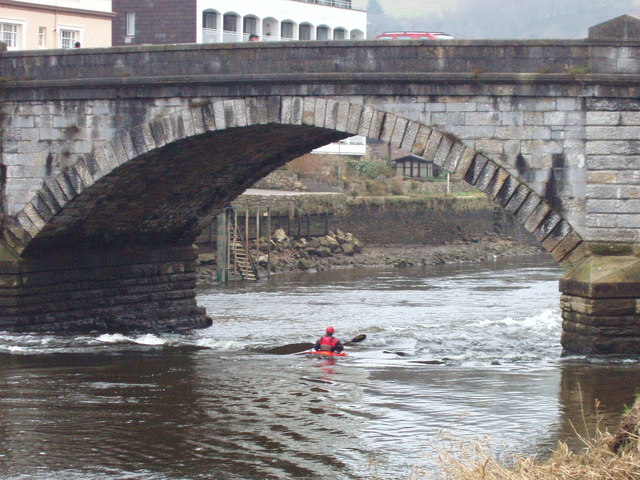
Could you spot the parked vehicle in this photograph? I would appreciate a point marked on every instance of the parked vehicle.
(414, 36)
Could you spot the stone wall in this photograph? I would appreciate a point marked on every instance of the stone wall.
(375, 220)
(403, 221)
(613, 166)
(281, 180)
(119, 290)
(523, 105)
(600, 306)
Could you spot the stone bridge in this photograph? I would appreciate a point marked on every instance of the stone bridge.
(110, 157)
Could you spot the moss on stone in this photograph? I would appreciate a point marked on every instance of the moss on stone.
(613, 249)
(604, 276)
(7, 254)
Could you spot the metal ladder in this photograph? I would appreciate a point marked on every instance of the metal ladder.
(240, 255)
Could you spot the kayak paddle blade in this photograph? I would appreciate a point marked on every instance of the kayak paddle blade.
(289, 349)
(356, 339)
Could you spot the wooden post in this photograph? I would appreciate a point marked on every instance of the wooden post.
(222, 237)
(246, 226)
(258, 229)
(235, 241)
(326, 222)
(210, 235)
(268, 241)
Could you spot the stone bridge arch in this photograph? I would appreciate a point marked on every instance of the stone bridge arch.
(81, 205)
(554, 126)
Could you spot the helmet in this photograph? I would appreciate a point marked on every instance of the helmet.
(330, 330)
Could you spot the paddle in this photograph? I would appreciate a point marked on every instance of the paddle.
(356, 339)
(301, 347)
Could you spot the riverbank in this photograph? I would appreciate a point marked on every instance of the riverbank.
(603, 457)
(468, 250)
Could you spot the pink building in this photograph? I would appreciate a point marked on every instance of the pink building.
(37, 24)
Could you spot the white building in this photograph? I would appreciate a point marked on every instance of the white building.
(34, 24)
(233, 21)
(224, 21)
(217, 21)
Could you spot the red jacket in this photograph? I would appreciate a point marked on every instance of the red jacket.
(329, 343)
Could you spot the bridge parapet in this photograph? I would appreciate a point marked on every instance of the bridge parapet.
(268, 62)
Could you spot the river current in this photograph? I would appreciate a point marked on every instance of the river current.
(468, 352)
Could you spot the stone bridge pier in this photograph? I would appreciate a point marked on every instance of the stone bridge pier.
(109, 158)
(82, 289)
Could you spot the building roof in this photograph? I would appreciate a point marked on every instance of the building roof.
(412, 158)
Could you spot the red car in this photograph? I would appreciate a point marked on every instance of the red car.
(414, 36)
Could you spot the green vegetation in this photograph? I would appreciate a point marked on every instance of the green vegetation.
(424, 202)
(369, 168)
(582, 70)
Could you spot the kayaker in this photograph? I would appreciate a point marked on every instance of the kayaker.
(328, 342)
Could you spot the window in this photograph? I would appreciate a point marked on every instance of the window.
(9, 35)
(68, 37)
(305, 32)
(250, 25)
(322, 33)
(339, 34)
(42, 37)
(131, 24)
(230, 22)
(414, 168)
(286, 30)
(210, 20)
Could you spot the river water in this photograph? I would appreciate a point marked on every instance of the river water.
(468, 352)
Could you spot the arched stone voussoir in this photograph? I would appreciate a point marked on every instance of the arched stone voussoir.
(349, 118)
(531, 210)
(15, 236)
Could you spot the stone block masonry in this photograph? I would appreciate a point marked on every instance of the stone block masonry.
(600, 306)
(126, 289)
(406, 221)
(133, 146)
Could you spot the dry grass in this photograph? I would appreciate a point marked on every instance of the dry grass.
(596, 460)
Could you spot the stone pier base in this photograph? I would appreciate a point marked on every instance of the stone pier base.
(133, 289)
(600, 306)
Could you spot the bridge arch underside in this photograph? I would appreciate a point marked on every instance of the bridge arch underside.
(113, 250)
(107, 243)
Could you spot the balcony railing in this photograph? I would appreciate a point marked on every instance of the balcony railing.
(351, 4)
(212, 35)
(209, 35)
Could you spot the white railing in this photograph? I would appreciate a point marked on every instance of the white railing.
(232, 37)
(210, 35)
(349, 146)
(351, 4)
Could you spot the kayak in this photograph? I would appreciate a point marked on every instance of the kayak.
(323, 353)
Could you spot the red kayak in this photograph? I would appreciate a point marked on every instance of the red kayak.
(323, 353)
